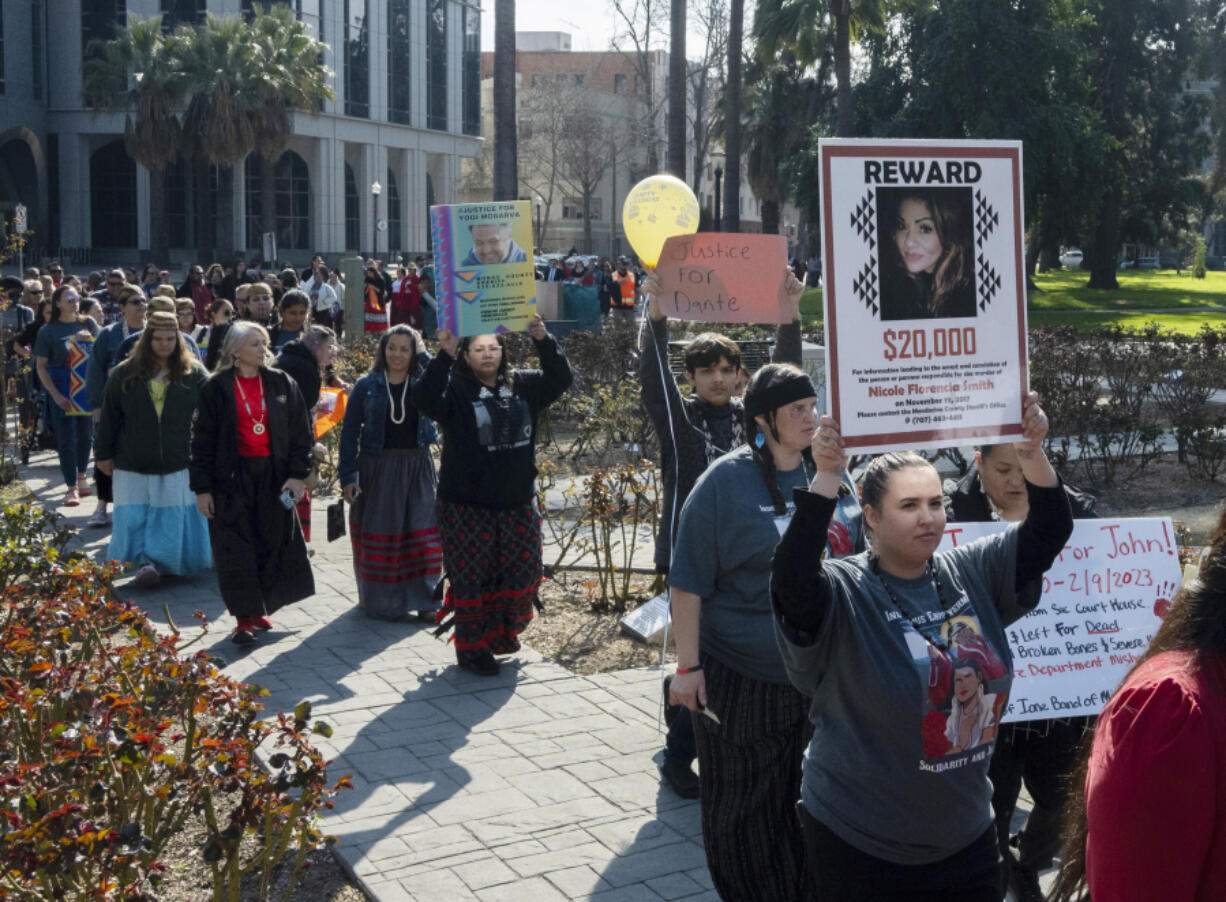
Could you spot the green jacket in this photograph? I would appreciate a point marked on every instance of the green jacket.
(130, 431)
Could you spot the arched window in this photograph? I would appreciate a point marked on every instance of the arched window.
(353, 207)
(393, 213)
(255, 201)
(112, 196)
(291, 201)
(293, 194)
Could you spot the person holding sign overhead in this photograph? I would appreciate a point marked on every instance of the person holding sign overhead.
(1147, 817)
(693, 432)
(1042, 753)
(892, 806)
(487, 516)
(748, 721)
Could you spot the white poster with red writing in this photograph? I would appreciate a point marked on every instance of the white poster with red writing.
(1103, 599)
(924, 291)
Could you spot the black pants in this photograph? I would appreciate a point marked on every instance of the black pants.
(105, 486)
(749, 771)
(1042, 755)
(258, 549)
(845, 874)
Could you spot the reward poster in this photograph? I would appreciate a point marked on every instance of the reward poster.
(924, 291)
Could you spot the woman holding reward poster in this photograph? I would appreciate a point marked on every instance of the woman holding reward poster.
(896, 801)
(749, 723)
(487, 517)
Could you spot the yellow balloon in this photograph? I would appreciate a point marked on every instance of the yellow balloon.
(656, 209)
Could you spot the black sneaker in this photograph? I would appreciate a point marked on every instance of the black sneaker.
(680, 777)
(243, 637)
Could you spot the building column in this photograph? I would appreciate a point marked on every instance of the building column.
(411, 191)
(74, 190)
(328, 196)
(378, 60)
(143, 223)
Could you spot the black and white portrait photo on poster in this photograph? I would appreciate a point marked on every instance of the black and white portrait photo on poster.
(924, 291)
(927, 265)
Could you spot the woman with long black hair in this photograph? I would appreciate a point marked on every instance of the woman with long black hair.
(387, 476)
(251, 452)
(143, 443)
(927, 250)
(487, 516)
(728, 663)
(54, 348)
(1146, 818)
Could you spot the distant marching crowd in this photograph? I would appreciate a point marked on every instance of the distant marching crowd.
(841, 683)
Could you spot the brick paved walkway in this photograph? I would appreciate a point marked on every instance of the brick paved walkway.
(533, 785)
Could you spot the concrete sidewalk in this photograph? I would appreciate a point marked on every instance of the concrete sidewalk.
(535, 784)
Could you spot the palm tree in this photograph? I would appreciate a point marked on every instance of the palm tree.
(771, 130)
(506, 151)
(798, 24)
(291, 76)
(136, 70)
(218, 63)
(732, 119)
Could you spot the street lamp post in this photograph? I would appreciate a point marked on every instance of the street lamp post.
(375, 189)
(719, 174)
(538, 204)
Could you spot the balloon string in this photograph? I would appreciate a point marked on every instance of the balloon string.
(672, 522)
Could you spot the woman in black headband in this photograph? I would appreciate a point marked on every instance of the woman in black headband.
(729, 668)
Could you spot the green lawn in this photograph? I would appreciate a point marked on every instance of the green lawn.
(1065, 290)
(1142, 297)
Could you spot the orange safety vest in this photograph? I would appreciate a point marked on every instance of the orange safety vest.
(627, 283)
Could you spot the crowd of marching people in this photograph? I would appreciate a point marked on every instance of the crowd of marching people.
(198, 406)
(839, 681)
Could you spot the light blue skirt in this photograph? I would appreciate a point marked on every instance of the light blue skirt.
(155, 521)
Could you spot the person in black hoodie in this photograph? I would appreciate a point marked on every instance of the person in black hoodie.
(1042, 753)
(487, 517)
(306, 359)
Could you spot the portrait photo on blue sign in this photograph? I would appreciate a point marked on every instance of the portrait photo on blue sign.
(493, 242)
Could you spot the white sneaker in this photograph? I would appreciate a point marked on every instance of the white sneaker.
(99, 518)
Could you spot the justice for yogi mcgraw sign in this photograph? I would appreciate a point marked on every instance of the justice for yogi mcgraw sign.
(925, 297)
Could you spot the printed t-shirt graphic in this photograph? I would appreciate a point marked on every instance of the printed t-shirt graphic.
(963, 684)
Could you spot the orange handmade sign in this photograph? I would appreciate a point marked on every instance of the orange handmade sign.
(330, 410)
(720, 277)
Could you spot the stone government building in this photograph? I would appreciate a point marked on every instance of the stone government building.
(407, 109)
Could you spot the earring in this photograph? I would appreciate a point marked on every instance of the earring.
(759, 439)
